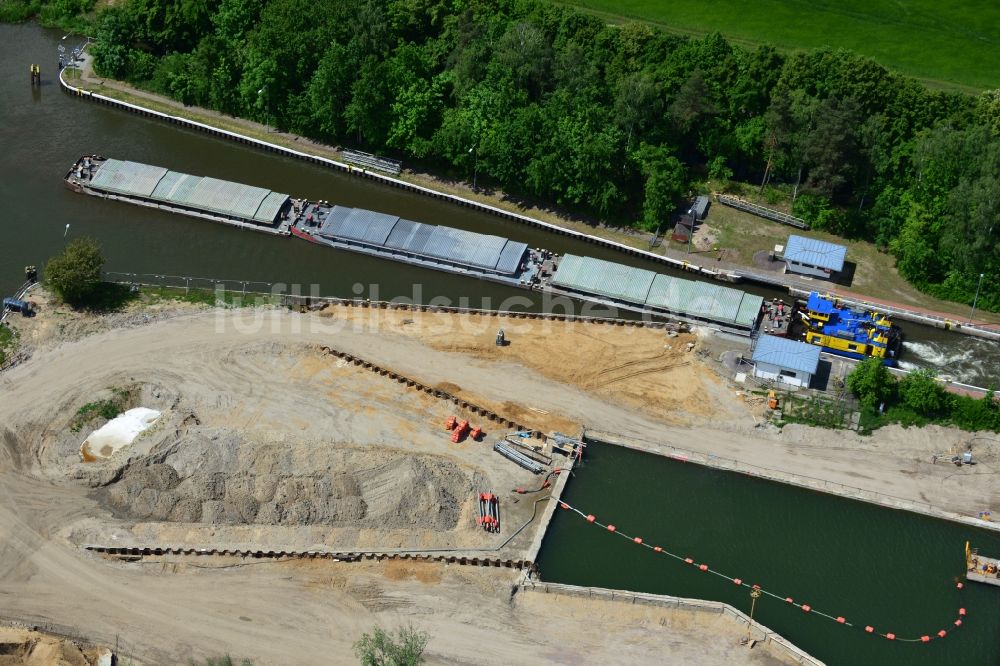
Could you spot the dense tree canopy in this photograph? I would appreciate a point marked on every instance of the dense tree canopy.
(616, 120)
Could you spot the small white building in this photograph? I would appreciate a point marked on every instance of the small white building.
(814, 257)
(785, 360)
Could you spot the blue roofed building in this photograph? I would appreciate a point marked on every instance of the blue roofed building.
(787, 361)
(809, 256)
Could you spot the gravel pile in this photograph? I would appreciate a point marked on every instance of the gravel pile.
(217, 478)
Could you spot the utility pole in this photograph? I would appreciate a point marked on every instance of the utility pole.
(976, 299)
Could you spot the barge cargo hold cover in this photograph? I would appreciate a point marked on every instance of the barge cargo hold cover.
(221, 200)
(392, 235)
(640, 289)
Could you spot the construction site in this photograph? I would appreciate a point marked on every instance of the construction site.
(349, 467)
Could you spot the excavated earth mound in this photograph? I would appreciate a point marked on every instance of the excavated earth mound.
(219, 478)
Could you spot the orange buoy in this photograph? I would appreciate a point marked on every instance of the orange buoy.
(960, 585)
(925, 639)
(870, 629)
(637, 540)
(958, 623)
(657, 549)
(564, 505)
(703, 567)
(591, 518)
(611, 528)
(961, 612)
(789, 600)
(841, 620)
(689, 560)
(806, 608)
(755, 586)
(891, 637)
(942, 633)
(737, 581)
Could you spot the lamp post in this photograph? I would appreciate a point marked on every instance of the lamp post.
(976, 299)
(267, 105)
(754, 595)
(475, 166)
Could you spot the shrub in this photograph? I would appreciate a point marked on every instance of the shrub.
(380, 648)
(75, 273)
(921, 392)
(871, 383)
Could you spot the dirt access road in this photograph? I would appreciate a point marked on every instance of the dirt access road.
(169, 610)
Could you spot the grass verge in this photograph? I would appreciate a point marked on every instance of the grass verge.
(944, 44)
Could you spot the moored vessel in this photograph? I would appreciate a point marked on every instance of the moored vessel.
(845, 331)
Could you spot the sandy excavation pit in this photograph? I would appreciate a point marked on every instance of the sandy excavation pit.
(280, 446)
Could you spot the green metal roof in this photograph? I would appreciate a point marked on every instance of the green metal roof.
(171, 187)
(605, 278)
(128, 177)
(645, 288)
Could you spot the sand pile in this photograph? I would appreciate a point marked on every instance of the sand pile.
(218, 478)
(32, 648)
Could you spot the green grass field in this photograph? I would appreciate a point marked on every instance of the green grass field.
(951, 44)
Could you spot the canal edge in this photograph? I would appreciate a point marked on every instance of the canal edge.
(794, 652)
(797, 480)
(732, 276)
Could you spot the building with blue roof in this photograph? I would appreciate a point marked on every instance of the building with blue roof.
(784, 360)
(810, 256)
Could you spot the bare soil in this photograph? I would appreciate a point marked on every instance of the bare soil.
(267, 442)
(21, 647)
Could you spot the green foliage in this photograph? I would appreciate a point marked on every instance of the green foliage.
(609, 120)
(917, 38)
(75, 273)
(62, 13)
(920, 392)
(871, 383)
(916, 400)
(106, 408)
(7, 340)
(405, 647)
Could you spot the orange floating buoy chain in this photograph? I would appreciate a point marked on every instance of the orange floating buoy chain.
(806, 608)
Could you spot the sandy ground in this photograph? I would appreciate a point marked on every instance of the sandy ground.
(248, 392)
(33, 648)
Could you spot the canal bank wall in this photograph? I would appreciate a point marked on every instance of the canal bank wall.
(802, 481)
(362, 172)
(732, 275)
(781, 646)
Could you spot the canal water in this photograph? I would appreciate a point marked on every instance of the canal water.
(893, 570)
(43, 131)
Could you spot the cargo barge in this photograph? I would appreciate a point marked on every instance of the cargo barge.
(441, 248)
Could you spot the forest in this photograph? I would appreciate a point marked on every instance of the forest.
(620, 122)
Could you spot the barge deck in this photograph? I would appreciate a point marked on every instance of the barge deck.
(980, 568)
(457, 251)
(235, 204)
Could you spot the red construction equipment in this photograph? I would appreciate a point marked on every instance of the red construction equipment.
(476, 433)
(450, 423)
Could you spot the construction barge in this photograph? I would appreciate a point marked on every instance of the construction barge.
(980, 568)
(456, 251)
